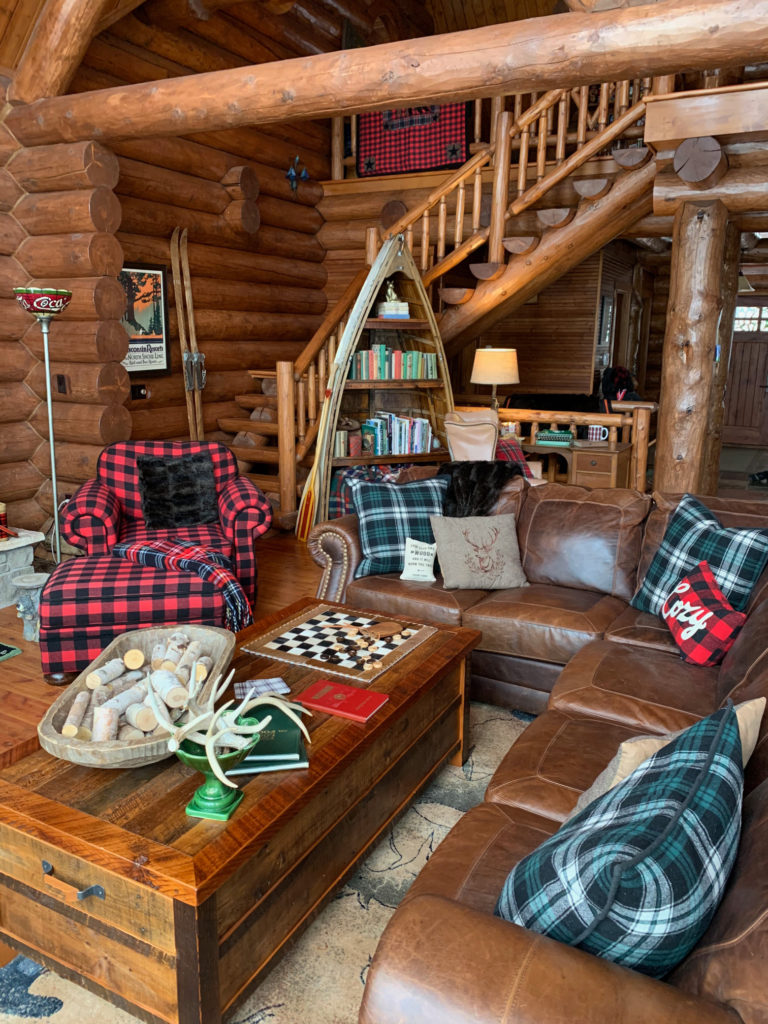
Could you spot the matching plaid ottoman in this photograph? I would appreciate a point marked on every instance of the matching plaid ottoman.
(88, 601)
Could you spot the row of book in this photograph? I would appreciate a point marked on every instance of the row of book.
(386, 433)
(379, 362)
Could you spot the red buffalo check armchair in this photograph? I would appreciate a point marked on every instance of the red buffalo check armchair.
(146, 491)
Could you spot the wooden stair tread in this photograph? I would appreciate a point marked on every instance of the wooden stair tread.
(592, 188)
(256, 401)
(456, 296)
(267, 455)
(556, 217)
(520, 245)
(487, 271)
(633, 157)
(263, 373)
(234, 424)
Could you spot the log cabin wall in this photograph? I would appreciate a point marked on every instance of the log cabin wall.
(257, 279)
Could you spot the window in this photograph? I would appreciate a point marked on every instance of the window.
(752, 319)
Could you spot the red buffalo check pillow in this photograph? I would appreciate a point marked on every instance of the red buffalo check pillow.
(700, 619)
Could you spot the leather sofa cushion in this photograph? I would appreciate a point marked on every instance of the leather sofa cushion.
(558, 756)
(473, 860)
(590, 539)
(544, 622)
(648, 690)
(389, 595)
(728, 965)
(641, 629)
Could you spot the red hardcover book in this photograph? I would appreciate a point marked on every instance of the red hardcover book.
(342, 700)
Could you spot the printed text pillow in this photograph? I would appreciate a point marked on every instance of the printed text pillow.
(695, 534)
(700, 619)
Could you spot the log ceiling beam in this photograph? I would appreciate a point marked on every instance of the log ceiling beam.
(62, 33)
(582, 6)
(536, 54)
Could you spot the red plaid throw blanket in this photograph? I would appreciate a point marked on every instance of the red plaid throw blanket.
(211, 566)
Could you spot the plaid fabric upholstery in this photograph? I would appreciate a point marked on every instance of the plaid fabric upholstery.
(637, 875)
(87, 602)
(340, 494)
(411, 139)
(209, 565)
(700, 619)
(107, 511)
(91, 519)
(390, 513)
(508, 450)
(694, 534)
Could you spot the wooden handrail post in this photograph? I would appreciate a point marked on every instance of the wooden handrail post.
(337, 148)
(371, 245)
(500, 195)
(641, 431)
(286, 437)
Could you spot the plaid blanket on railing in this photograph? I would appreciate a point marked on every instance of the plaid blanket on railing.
(211, 566)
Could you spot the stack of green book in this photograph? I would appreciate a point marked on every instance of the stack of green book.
(280, 747)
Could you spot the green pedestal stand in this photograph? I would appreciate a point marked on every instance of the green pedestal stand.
(213, 799)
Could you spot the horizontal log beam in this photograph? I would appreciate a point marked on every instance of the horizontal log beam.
(535, 54)
(16, 360)
(210, 261)
(740, 191)
(65, 166)
(88, 254)
(52, 213)
(83, 383)
(78, 341)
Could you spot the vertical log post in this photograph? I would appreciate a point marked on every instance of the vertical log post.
(729, 295)
(688, 360)
(286, 437)
(500, 188)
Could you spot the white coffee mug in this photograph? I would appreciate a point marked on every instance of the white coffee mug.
(597, 433)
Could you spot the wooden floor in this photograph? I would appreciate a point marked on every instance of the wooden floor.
(286, 573)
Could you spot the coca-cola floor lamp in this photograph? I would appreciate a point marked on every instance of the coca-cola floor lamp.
(44, 304)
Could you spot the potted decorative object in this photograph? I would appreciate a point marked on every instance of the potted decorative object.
(215, 741)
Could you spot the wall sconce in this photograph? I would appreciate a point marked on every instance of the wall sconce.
(495, 366)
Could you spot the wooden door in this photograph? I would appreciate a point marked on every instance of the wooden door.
(746, 396)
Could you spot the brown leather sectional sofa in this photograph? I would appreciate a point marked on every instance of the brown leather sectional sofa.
(612, 673)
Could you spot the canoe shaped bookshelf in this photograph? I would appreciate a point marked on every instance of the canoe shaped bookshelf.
(389, 374)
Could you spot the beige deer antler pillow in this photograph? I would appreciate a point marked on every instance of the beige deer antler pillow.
(478, 552)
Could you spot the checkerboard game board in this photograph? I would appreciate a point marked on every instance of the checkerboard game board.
(326, 638)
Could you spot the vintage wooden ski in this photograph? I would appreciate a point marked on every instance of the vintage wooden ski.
(196, 357)
(181, 317)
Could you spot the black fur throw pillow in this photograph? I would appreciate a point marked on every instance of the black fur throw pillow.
(474, 487)
(177, 490)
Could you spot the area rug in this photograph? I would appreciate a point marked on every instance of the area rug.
(321, 978)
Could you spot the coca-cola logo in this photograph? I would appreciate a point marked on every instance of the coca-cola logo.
(49, 303)
(685, 611)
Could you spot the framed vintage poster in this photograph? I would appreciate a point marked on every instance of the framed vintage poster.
(146, 318)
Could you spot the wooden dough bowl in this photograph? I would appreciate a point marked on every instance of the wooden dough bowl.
(218, 643)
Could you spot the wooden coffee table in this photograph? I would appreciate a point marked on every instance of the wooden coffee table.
(187, 915)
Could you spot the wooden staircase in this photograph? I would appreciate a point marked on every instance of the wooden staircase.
(545, 141)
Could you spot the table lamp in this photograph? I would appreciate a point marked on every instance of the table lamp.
(44, 304)
(495, 366)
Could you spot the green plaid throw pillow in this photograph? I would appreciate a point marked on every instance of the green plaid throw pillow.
(694, 534)
(390, 513)
(637, 875)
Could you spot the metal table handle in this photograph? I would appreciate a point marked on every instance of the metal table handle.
(70, 892)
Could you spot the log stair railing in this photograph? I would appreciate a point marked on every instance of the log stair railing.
(289, 403)
(292, 394)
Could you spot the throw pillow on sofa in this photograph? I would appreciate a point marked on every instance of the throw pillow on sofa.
(700, 619)
(695, 534)
(177, 490)
(478, 552)
(390, 513)
(637, 749)
(637, 876)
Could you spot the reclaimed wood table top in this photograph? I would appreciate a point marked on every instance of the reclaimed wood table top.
(132, 822)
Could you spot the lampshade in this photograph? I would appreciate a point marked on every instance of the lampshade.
(745, 285)
(495, 366)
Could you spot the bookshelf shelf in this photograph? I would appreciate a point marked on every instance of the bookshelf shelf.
(394, 324)
(385, 460)
(391, 385)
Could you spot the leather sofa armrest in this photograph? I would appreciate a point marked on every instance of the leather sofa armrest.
(441, 961)
(335, 545)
